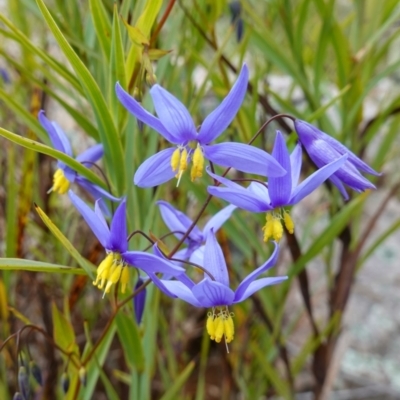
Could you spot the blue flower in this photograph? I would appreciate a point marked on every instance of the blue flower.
(323, 149)
(279, 192)
(113, 268)
(214, 290)
(139, 301)
(65, 175)
(179, 223)
(175, 124)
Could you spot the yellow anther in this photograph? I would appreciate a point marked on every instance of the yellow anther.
(183, 161)
(219, 328)
(268, 228)
(104, 268)
(289, 224)
(124, 278)
(278, 230)
(198, 164)
(229, 329)
(219, 325)
(60, 182)
(176, 155)
(111, 270)
(114, 276)
(211, 326)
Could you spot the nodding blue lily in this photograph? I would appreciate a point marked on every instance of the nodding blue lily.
(64, 175)
(323, 149)
(113, 268)
(279, 192)
(179, 223)
(175, 124)
(214, 290)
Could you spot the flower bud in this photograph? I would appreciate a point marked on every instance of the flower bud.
(18, 396)
(139, 301)
(82, 375)
(65, 382)
(36, 373)
(23, 382)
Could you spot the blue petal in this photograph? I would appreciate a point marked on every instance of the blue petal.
(243, 157)
(316, 179)
(338, 183)
(350, 176)
(218, 219)
(212, 294)
(173, 115)
(256, 273)
(259, 191)
(295, 165)
(322, 153)
(176, 289)
(214, 260)
(118, 231)
(259, 284)
(151, 263)
(197, 256)
(92, 154)
(225, 181)
(280, 188)
(223, 115)
(99, 213)
(308, 132)
(155, 170)
(57, 136)
(96, 191)
(178, 221)
(135, 108)
(97, 226)
(237, 195)
(240, 198)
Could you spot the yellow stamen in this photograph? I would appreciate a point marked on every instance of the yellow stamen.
(179, 162)
(268, 228)
(274, 226)
(289, 224)
(210, 326)
(229, 329)
(219, 328)
(114, 276)
(219, 325)
(176, 155)
(103, 269)
(124, 278)
(111, 270)
(277, 229)
(198, 164)
(60, 182)
(183, 161)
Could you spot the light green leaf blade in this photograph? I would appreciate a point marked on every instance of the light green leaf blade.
(176, 387)
(102, 26)
(86, 265)
(19, 264)
(130, 339)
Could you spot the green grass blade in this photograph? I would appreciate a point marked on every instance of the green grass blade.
(19, 264)
(108, 133)
(102, 26)
(58, 155)
(85, 264)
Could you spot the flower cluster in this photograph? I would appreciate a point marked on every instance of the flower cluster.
(191, 146)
